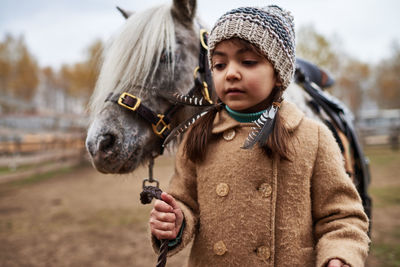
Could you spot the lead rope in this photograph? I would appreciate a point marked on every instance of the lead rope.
(147, 195)
(150, 192)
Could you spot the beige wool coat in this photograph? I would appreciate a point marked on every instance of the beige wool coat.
(243, 208)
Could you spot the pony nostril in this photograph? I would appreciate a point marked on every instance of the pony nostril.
(106, 142)
(90, 148)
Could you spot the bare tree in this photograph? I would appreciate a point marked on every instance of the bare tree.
(354, 82)
(318, 49)
(387, 81)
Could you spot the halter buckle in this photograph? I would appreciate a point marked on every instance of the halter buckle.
(160, 127)
(196, 70)
(126, 95)
(206, 93)
(202, 41)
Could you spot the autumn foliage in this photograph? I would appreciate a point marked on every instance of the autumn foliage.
(387, 83)
(19, 72)
(80, 78)
(20, 75)
(356, 81)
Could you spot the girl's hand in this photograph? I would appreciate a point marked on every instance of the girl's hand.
(336, 263)
(165, 218)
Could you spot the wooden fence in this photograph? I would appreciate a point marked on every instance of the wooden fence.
(25, 155)
(33, 143)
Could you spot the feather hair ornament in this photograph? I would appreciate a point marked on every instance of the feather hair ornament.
(264, 126)
(182, 127)
(177, 98)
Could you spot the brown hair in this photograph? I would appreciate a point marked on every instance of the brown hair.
(200, 134)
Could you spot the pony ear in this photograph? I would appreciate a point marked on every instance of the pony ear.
(184, 10)
(124, 13)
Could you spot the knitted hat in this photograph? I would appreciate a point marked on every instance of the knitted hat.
(271, 29)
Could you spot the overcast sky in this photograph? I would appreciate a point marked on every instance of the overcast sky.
(59, 31)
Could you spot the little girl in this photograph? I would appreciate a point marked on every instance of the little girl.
(256, 183)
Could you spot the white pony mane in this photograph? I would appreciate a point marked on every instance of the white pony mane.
(132, 57)
(295, 94)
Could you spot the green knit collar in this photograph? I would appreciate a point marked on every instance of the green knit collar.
(243, 117)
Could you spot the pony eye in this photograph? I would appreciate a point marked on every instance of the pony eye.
(166, 57)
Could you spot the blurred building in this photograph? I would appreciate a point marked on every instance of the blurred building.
(50, 98)
(379, 121)
(379, 126)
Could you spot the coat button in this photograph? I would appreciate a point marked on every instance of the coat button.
(265, 189)
(222, 189)
(228, 135)
(263, 253)
(220, 248)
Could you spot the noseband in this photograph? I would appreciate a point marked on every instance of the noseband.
(161, 123)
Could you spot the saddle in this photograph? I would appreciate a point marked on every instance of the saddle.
(339, 119)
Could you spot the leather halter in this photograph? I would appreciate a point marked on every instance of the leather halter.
(161, 123)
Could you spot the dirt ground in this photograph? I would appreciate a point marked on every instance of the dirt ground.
(83, 218)
(79, 218)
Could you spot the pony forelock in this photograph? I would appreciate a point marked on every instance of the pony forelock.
(132, 57)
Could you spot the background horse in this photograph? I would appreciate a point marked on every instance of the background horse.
(155, 54)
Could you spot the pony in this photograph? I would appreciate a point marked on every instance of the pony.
(154, 55)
